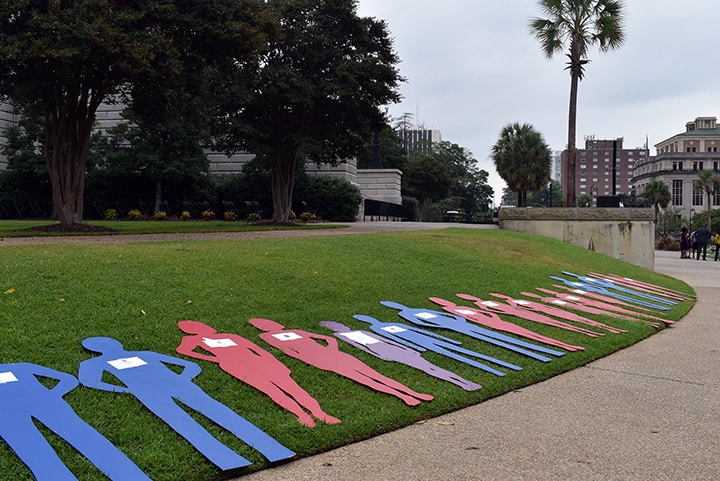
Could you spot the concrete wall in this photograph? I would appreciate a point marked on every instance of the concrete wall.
(625, 234)
(380, 184)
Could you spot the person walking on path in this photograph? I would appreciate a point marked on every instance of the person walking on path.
(684, 243)
(702, 236)
(717, 244)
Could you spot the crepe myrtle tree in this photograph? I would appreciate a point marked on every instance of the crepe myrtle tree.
(60, 60)
(318, 92)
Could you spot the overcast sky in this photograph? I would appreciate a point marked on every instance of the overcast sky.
(472, 67)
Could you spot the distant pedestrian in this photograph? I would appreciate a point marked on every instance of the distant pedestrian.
(717, 244)
(684, 243)
(702, 236)
(693, 244)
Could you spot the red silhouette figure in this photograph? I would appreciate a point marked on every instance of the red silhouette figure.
(253, 365)
(323, 353)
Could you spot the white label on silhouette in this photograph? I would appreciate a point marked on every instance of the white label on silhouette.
(425, 315)
(287, 336)
(219, 342)
(6, 377)
(127, 362)
(393, 329)
(360, 338)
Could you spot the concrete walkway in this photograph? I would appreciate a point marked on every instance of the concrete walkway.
(649, 412)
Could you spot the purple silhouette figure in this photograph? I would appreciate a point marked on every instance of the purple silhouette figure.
(422, 340)
(23, 398)
(387, 350)
(146, 376)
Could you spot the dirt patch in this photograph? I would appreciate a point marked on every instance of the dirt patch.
(69, 229)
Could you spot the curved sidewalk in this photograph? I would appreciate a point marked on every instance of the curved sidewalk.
(649, 412)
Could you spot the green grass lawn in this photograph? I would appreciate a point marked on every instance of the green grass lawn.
(24, 228)
(54, 296)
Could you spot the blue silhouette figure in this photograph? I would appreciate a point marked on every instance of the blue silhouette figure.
(598, 288)
(611, 285)
(24, 398)
(443, 320)
(422, 340)
(146, 376)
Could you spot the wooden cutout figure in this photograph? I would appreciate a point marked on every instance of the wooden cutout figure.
(645, 287)
(388, 350)
(556, 312)
(607, 299)
(611, 308)
(611, 285)
(428, 318)
(23, 399)
(488, 318)
(323, 353)
(597, 288)
(423, 340)
(253, 365)
(146, 376)
(501, 308)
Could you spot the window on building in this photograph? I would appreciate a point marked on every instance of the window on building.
(715, 166)
(716, 197)
(697, 197)
(677, 192)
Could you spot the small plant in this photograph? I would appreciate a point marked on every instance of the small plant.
(185, 215)
(207, 215)
(135, 214)
(292, 215)
(160, 215)
(111, 214)
(230, 216)
(253, 217)
(308, 217)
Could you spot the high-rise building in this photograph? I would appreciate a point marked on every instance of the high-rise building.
(418, 138)
(605, 167)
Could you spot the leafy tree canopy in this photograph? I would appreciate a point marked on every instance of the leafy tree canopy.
(61, 59)
(318, 91)
(522, 158)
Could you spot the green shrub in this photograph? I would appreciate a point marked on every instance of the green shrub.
(334, 199)
(160, 215)
(229, 216)
(207, 215)
(185, 215)
(135, 214)
(111, 214)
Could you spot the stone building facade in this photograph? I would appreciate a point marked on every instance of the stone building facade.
(677, 162)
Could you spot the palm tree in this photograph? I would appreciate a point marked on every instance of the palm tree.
(522, 159)
(658, 193)
(579, 25)
(709, 182)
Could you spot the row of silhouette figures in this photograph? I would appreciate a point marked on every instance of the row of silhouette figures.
(147, 375)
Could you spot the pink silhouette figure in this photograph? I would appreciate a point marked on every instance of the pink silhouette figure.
(487, 318)
(323, 353)
(609, 309)
(555, 312)
(644, 286)
(501, 308)
(253, 365)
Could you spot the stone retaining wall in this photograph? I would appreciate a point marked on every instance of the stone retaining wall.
(627, 234)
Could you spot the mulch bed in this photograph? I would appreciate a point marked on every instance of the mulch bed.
(69, 229)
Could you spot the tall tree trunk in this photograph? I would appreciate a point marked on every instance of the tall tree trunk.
(66, 148)
(283, 181)
(570, 195)
(576, 72)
